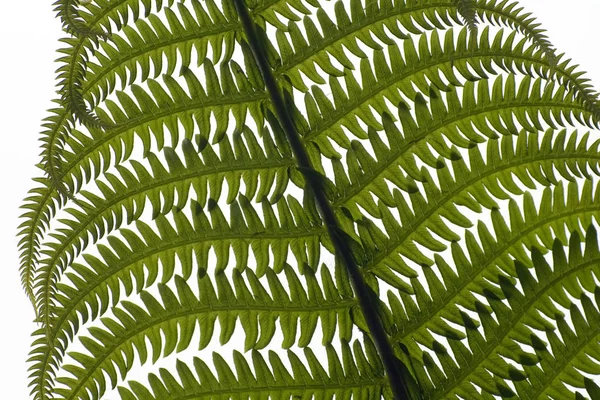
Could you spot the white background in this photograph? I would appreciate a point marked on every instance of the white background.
(29, 35)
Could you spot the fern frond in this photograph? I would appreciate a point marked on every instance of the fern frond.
(76, 62)
(395, 250)
(571, 274)
(218, 234)
(475, 270)
(477, 274)
(474, 187)
(135, 264)
(166, 105)
(68, 12)
(516, 322)
(140, 47)
(56, 128)
(400, 19)
(31, 233)
(41, 202)
(164, 189)
(509, 14)
(452, 60)
(421, 121)
(146, 123)
(501, 105)
(185, 312)
(348, 378)
(367, 175)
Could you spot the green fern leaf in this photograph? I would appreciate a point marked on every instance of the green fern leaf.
(400, 195)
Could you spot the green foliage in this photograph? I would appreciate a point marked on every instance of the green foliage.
(448, 139)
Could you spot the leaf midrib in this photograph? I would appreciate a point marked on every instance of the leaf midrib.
(332, 386)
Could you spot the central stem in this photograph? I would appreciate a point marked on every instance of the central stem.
(343, 250)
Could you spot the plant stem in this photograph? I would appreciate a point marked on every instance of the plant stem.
(343, 251)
